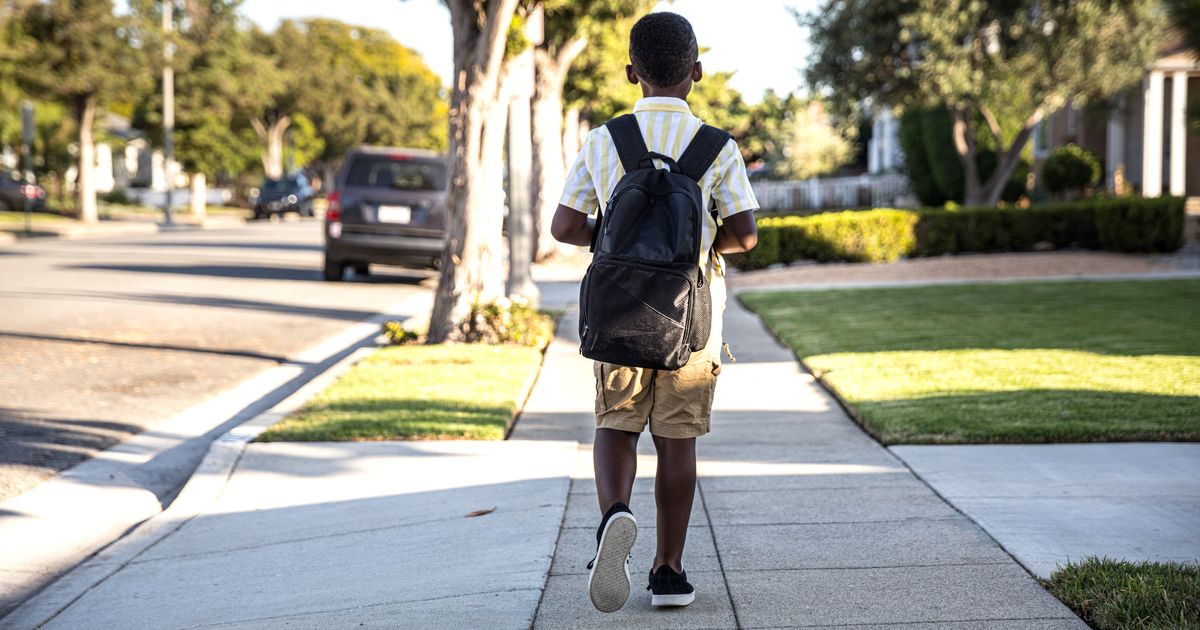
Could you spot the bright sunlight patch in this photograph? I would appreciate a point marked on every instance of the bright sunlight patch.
(1021, 362)
(463, 391)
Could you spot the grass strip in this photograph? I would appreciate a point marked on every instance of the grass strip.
(1112, 595)
(438, 392)
(1023, 362)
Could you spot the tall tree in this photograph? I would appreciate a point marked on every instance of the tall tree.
(211, 137)
(569, 25)
(472, 271)
(76, 52)
(978, 59)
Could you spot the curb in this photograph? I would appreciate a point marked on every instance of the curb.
(204, 487)
(904, 284)
(46, 538)
(15, 233)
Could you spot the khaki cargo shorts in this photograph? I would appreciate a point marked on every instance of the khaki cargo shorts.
(675, 404)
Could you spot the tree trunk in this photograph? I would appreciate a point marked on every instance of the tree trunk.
(472, 267)
(85, 111)
(199, 203)
(570, 136)
(1008, 160)
(271, 138)
(518, 91)
(964, 144)
(548, 155)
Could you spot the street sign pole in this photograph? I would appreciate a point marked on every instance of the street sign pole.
(168, 80)
(27, 158)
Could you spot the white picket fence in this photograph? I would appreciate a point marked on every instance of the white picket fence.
(831, 193)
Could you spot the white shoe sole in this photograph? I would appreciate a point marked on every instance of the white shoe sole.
(673, 600)
(608, 583)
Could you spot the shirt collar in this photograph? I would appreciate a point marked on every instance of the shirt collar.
(662, 104)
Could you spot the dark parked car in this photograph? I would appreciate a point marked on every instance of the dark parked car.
(292, 193)
(386, 207)
(14, 192)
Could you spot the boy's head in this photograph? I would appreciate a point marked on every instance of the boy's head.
(663, 55)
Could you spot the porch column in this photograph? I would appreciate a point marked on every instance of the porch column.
(1152, 134)
(1179, 82)
(1115, 150)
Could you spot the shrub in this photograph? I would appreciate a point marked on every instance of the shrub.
(1131, 224)
(508, 321)
(1071, 168)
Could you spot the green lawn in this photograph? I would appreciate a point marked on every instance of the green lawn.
(1112, 595)
(1021, 362)
(467, 391)
(37, 217)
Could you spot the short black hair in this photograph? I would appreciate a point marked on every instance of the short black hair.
(662, 48)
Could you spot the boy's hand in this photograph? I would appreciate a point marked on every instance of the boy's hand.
(738, 233)
(572, 227)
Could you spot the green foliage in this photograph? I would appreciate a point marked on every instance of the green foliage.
(934, 167)
(1117, 595)
(1185, 17)
(1071, 168)
(69, 51)
(1132, 224)
(398, 335)
(596, 83)
(813, 143)
(1006, 63)
(508, 321)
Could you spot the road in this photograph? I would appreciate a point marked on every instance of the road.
(100, 340)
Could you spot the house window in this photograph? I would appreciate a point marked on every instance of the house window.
(1041, 138)
(1072, 121)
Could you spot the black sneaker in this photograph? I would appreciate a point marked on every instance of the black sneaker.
(669, 588)
(608, 583)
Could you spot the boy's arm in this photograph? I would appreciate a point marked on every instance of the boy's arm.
(738, 233)
(572, 227)
(734, 198)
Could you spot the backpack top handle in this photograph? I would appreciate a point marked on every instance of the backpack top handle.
(647, 161)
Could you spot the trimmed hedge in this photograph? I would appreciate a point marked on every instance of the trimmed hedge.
(1127, 224)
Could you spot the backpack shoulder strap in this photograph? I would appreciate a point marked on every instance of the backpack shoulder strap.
(628, 137)
(702, 151)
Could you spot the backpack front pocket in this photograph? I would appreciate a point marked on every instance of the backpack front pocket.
(637, 315)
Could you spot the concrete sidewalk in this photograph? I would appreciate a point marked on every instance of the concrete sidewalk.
(801, 520)
(1049, 504)
(338, 535)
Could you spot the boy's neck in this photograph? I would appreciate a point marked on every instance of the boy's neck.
(650, 91)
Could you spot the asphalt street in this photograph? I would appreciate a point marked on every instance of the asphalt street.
(102, 339)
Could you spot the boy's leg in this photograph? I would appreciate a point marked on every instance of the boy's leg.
(674, 490)
(614, 455)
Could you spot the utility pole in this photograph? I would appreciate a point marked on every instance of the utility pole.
(27, 158)
(168, 86)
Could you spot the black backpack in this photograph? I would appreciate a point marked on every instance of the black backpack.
(645, 301)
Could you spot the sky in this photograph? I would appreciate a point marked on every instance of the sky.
(759, 41)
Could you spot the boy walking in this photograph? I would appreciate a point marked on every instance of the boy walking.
(674, 403)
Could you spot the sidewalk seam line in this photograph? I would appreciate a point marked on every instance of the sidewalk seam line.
(557, 539)
(720, 563)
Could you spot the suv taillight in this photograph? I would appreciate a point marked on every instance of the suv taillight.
(30, 191)
(333, 211)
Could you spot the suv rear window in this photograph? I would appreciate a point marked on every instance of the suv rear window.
(381, 171)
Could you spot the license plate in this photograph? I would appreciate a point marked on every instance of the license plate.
(395, 214)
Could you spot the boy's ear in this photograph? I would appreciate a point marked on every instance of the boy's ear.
(631, 74)
(697, 72)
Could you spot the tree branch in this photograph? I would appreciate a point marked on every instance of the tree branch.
(489, 53)
(993, 124)
(572, 49)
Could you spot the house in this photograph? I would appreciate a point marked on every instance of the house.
(1142, 135)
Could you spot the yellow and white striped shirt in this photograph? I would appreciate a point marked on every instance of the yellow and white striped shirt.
(668, 126)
